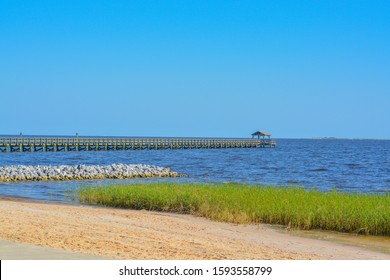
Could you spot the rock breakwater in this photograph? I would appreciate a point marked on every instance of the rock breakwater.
(17, 173)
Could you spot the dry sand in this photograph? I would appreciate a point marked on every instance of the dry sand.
(129, 234)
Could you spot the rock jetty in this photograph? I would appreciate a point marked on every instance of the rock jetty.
(17, 173)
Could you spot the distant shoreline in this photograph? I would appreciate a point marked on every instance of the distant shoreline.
(336, 138)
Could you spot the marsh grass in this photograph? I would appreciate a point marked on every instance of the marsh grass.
(242, 204)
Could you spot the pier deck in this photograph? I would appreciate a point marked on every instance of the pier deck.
(67, 144)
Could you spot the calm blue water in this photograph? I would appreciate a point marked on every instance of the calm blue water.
(347, 165)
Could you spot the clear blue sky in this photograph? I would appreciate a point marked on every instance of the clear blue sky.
(195, 68)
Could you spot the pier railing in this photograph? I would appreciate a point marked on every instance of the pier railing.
(57, 144)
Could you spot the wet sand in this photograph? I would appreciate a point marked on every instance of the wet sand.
(130, 234)
(19, 251)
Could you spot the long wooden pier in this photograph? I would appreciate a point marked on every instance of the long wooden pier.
(67, 144)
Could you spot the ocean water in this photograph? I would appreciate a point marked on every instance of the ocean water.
(347, 165)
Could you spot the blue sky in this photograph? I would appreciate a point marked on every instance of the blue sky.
(195, 68)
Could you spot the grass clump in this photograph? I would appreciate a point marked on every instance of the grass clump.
(242, 204)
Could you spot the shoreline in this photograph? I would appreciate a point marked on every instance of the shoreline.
(139, 234)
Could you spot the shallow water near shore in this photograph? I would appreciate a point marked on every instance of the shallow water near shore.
(368, 242)
(361, 166)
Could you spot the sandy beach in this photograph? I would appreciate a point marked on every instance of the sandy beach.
(128, 234)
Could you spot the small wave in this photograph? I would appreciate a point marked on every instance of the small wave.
(319, 170)
(292, 182)
(353, 165)
(271, 168)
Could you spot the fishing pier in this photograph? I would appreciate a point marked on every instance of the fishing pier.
(68, 144)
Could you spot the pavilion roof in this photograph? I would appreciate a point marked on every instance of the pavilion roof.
(261, 133)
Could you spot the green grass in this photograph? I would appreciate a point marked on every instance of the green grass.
(243, 204)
